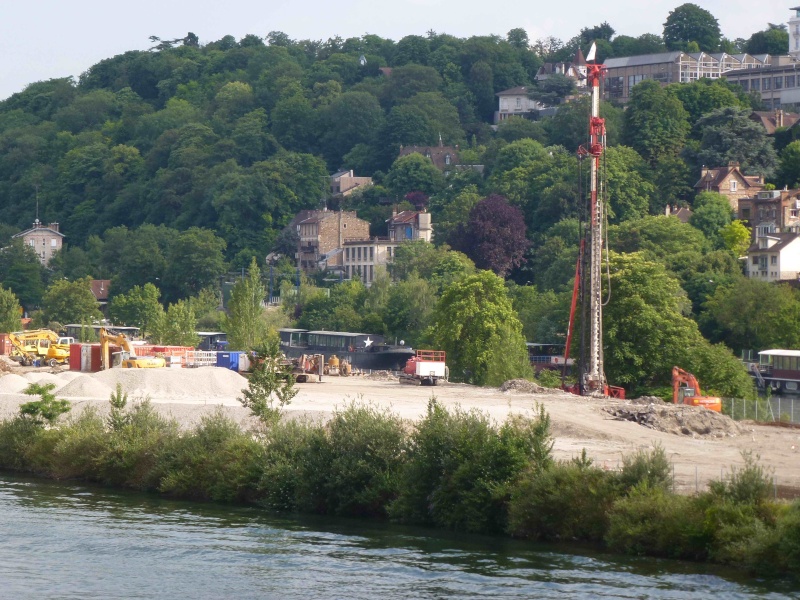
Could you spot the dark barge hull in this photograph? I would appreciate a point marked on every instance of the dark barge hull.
(364, 352)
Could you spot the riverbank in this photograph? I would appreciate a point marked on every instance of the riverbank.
(698, 456)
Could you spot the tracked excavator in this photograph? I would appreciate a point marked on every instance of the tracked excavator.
(686, 390)
(127, 358)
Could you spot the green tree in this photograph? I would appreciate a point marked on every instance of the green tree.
(413, 173)
(195, 261)
(711, 212)
(729, 135)
(409, 308)
(690, 23)
(553, 90)
(703, 96)
(138, 308)
(772, 40)
(736, 238)
(475, 323)
(10, 311)
(48, 408)
(22, 273)
(656, 124)
(789, 166)
(270, 386)
(244, 323)
(70, 302)
(178, 327)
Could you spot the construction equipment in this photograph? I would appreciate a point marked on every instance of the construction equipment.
(426, 368)
(686, 390)
(337, 366)
(127, 358)
(308, 368)
(43, 345)
(589, 270)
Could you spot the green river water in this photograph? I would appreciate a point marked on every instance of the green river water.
(64, 540)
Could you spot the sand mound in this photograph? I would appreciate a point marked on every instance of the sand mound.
(85, 386)
(43, 378)
(679, 419)
(201, 383)
(523, 386)
(13, 384)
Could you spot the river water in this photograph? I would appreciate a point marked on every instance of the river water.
(72, 541)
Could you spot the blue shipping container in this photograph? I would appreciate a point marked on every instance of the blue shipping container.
(228, 360)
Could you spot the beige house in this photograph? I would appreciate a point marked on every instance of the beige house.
(774, 257)
(344, 183)
(515, 102)
(323, 234)
(730, 182)
(45, 240)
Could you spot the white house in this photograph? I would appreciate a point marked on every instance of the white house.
(774, 257)
(515, 103)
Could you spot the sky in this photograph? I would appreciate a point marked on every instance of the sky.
(44, 39)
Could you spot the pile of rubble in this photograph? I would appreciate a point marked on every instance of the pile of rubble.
(677, 419)
(380, 376)
(523, 386)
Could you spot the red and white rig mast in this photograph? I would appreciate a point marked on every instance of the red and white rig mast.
(594, 379)
(589, 276)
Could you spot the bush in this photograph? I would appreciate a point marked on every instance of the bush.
(749, 485)
(217, 461)
(132, 456)
(365, 457)
(567, 501)
(650, 521)
(650, 468)
(48, 408)
(460, 465)
(549, 378)
(80, 443)
(17, 437)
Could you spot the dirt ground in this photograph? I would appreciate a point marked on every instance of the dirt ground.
(701, 446)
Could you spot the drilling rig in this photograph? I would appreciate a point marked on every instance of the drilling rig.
(588, 286)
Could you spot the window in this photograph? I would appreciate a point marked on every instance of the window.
(359, 252)
(519, 102)
(447, 159)
(777, 83)
(765, 83)
(733, 185)
(789, 81)
(746, 214)
(755, 260)
(793, 213)
(755, 85)
(773, 260)
(53, 242)
(745, 83)
(372, 253)
(33, 243)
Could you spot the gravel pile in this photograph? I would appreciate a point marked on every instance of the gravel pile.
(13, 384)
(196, 384)
(523, 386)
(692, 421)
(85, 386)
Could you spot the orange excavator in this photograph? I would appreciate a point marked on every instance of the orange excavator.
(686, 390)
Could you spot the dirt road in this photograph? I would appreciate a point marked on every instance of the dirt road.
(577, 422)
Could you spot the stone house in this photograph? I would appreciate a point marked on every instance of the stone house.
(774, 257)
(771, 120)
(730, 182)
(771, 211)
(575, 70)
(322, 236)
(410, 225)
(45, 240)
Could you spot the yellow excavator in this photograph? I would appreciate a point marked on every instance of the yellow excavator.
(40, 344)
(127, 358)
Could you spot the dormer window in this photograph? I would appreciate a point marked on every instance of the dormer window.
(447, 159)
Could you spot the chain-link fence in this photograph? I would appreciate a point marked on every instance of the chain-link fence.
(774, 408)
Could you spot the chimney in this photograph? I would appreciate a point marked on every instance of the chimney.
(667, 210)
(54, 227)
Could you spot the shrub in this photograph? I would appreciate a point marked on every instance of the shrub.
(17, 437)
(549, 378)
(749, 485)
(271, 384)
(80, 443)
(650, 468)
(286, 477)
(217, 461)
(567, 501)
(460, 465)
(365, 452)
(651, 521)
(48, 408)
